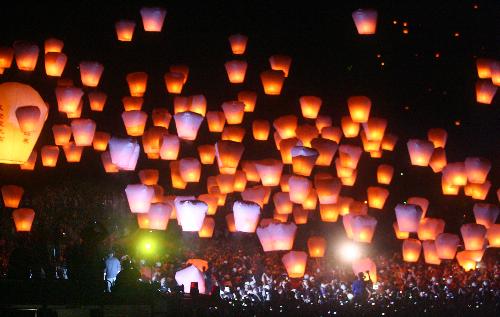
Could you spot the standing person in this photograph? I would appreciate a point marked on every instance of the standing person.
(113, 267)
(359, 288)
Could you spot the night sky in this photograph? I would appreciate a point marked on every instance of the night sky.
(420, 80)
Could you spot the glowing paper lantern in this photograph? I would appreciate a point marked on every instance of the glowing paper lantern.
(493, 236)
(97, 100)
(152, 140)
(230, 222)
(377, 197)
(238, 43)
(282, 203)
(206, 153)
(281, 62)
(269, 171)
(473, 235)
(55, 63)
(260, 129)
(149, 176)
(161, 117)
(495, 73)
(363, 228)
(310, 106)
(359, 108)
(365, 264)
(137, 83)
(225, 183)
(272, 81)
(430, 253)
(446, 245)
(466, 261)
(249, 98)
(124, 153)
(187, 125)
(299, 188)
(190, 214)
(190, 275)
(12, 195)
(174, 82)
(29, 165)
(374, 129)
(486, 214)
(328, 190)
(50, 154)
(332, 133)
(100, 141)
(90, 73)
(53, 45)
(300, 215)
(233, 111)
(228, 154)
(477, 191)
(6, 57)
(420, 201)
(384, 174)
(240, 181)
(211, 201)
(73, 152)
(169, 147)
(246, 216)
(485, 91)
(108, 165)
(408, 217)
(349, 155)
(190, 169)
(139, 197)
(306, 133)
(311, 200)
(83, 131)
(175, 176)
(316, 246)
(438, 137)
(438, 160)
(156, 218)
(125, 30)
(132, 103)
(411, 250)
(484, 66)
(23, 219)
(303, 160)
(401, 235)
(329, 212)
(477, 169)
(326, 150)
(68, 98)
(454, 174)
(365, 21)
(134, 121)
(216, 121)
(295, 263)
(420, 151)
(26, 55)
(251, 171)
(207, 230)
(430, 228)
(236, 70)
(277, 236)
(286, 126)
(152, 18)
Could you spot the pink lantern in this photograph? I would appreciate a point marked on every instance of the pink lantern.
(190, 213)
(139, 197)
(55, 63)
(411, 250)
(125, 30)
(420, 151)
(90, 73)
(477, 169)
(68, 98)
(363, 228)
(83, 131)
(420, 201)
(446, 245)
(152, 18)
(124, 153)
(236, 71)
(26, 55)
(189, 275)
(408, 217)
(430, 252)
(365, 21)
(485, 91)
(156, 218)
(233, 111)
(277, 236)
(238, 43)
(473, 235)
(190, 169)
(246, 215)
(269, 171)
(485, 214)
(493, 236)
(328, 190)
(187, 125)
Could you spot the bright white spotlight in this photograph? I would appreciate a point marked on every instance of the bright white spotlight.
(349, 252)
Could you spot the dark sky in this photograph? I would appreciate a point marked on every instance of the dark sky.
(330, 60)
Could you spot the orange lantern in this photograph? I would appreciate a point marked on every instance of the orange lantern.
(152, 140)
(446, 245)
(272, 81)
(169, 147)
(240, 181)
(365, 21)
(206, 153)
(359, 108)
(197, 104)
(230, 222)
(370, 146)
(108, 165)
(303, 160)
(473, 235)
(236, 71)
(430, 228)
(448, 188)
(225, 183)
(233, 133)
(430, 253)
(23, 219)
(207, 229)
(6, 57)
(228, 154)
(420, 151)
(384, 174)
(90, 73)
(401, 235)
(216, 121)
(255, 194)
(388, 142)
(438, 160)
(73, 152)
(295, 263)
(484, 67)
(299, 215)
(55, 63)
(282, 203)
(187, 125)
(249, 98)
(377, 197)
(493, 236)
(62, 134)
(269, 171)
(174, 82)
(149, 177)
(495, 73)
(310, 106)
(323, 122)
(311, 200)
(316, 246)
(238, 43)
(284, 183)
(152, 18)
(26, 55)
(374, 129)
(156, 218)
(97, 100)
(137, 83)
(190, 169)
(30, 163)
(50, 154)
(486, 214)
(349, 155)
(411, 250)
(329, 212)
(125, 30)
(408, 217)
(161, 117)
(233, 111)
(477, 191)
(363, 228)
(181, 104)
(53, 45)
(68, 98)
(332, 133)
(344, 204)
(285, 148)
(438, 137)
(466, 261)
(306, 133)
(135, 121)
(477, 169)
(132, 103)
(251, 171)
(260, 129)
(286, 126)
(83, 131)
(12, 195)
(183, 69)
(281, 63)
(485, 91)
(175, 176)
(211, 201)
(454, 174)
(328, 190)
(100, 141)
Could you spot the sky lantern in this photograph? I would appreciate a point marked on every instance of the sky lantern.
(225, 183)
(97, 100)
(363, 228)
(344, 204)
(295, 263)
(197, 104)
(68, 98)
(249, 98)
(401, 235)
(187, 125)
(149, 176)
(156, 218)
(331, 133)
(132, 103)
(365, 264)
(483, 66)
(408, 217)
(22, 116)
(216, 121)
(6, 57)
(454, 174)
(73, 152)
(161, 117)
(466, 260)
(446, 245)
(90, 73)
(175, 176)
(180, 68)
(125, 30)
(303, 160)
(29, 165)
(377, 196)
(486, 214)
(316, 246)
(365, 21)
(328, 190)
(233, 111)
(370, 146)
(211, 201)
(430, 252)
(238, 43)
(430, 228)
(286, 126)
(411, 250)
(329, 212)
(359, 108)
(310, 106)
(139, 197)
(206, 153)
(246, 215)
(228, 154)
(282, 203)
(50, 154)
(77, 113)
(420, 201)
(284, 183)
(153, 18)
(477, 169)
(349, 180)
(174, 82)
(124, 152)
(170, 147)
(285, 148)
(299, 188)
(311, 200)
(191, 214)
(477, 191)
(190, 275)
(255, 194)
(438, 160)
(53, 45)
(260, 130)
(23, 219)
(83, 131)
(495, 73)
(55, 63)
(137, 83)
(485, 91)
(438, 137)
(134, 121)
(26, 55)
(207, 229)
(384, 174)
(281, 63)
(108, 165)
(349, 155)
(233, 133)
(374, 129)
(300, 215)
(236, 70)
(152, 140)
(306, 133)
(269, 171)
(190, 169)
(388, 142)
(100, 141)
(449, 188)
(323, 121)
(420, 151)
(277, 236)
(272, 81)
(473, 235)
(493, 236)
(251, 171)
(12, 195)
